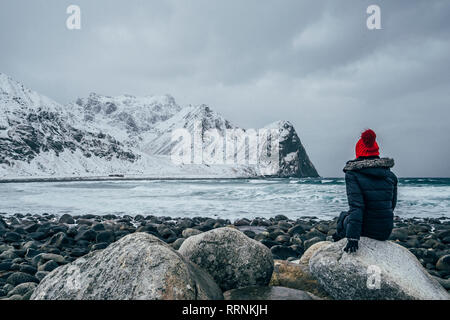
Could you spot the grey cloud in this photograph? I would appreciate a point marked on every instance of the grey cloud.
(311, 62)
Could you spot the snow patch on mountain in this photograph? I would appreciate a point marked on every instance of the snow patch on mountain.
(126, 135)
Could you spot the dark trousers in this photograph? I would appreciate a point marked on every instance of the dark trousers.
(341, 227)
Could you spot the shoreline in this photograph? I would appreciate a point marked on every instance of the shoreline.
(164, 178)
(129, 178)
(32, 245)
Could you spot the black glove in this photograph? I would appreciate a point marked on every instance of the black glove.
(352, 246)
(336, 237)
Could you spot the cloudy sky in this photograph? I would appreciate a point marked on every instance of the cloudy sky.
(314, 63)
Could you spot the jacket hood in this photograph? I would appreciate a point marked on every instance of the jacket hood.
(369, 165)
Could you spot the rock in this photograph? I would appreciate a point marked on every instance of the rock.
(138, 266)
(444, 282)
(99, 246)
(45, 229)
(282, 238)
(296, 240)
(32, 227)
(420, 228)
(3, 224)
(8, 287)
(31, 253)
(399, 234)
(354, 276)
(310, 242)
(277, 232)
(72, 232)
(86, 222)
(283, 252)
(28, 269)
(27, 295)
(207, 225)
(323, 227)
(11, 237)
(98, 227)
(233, 259)
(267, 293)
(105, 236)
(269, 243)
(67, 219)
(41, 274)
(296, 276)
(88, 235)
(15, 266)
(262, 222)
(167, 234)
(20, 277)
(78, 252)
(177, 243)
(430, 256)
(13, 221)
(23, 288)
(249, 233)
(148, 228)
(412, 242)
(60, 240)
(443, 263)
(284, 225)
(30, 245)
(189, 232)
(5, 266)
(44, 257)
(20, 252)
(280, 217)
(38, 235)
(8, 254)
(297, 229)
(55, 257)
(242, 222)
(48, 266)
(313, 234)
(430, 243)
(446, 240)
(443, 234)
(304, 260)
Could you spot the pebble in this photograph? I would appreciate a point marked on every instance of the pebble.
(443, 263)
(20, 277)
(67, 218)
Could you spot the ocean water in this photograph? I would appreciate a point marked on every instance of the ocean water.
(228, 198)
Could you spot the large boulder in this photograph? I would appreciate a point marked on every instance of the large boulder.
(138, 266)
(304, 260)
(296, 276)
(233, 259)
(378, 270)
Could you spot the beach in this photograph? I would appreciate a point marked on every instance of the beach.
(33, 245)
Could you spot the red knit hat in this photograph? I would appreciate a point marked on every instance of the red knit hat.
(367, 146)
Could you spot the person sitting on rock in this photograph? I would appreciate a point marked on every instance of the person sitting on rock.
(371, 193)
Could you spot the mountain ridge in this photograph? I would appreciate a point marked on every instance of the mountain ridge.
(105, 135)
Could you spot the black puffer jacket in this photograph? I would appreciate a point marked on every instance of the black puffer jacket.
(372, 197)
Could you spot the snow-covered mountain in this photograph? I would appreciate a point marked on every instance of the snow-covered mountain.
(122, 135)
